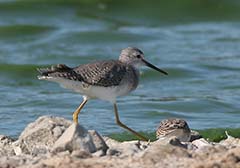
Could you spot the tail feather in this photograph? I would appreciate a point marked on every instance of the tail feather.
(45, 72)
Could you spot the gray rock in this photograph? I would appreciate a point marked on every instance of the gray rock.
(10, 162)
(159, 151)
(18, 161)
(75, 137)
(171, 141)
(127, 148)
(201, 143)
(111, 152)
(98, 141)
(38, 137)
(81, 154)
(99, 153)
(195, 135)
(176, 142)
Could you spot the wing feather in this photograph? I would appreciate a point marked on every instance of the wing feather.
(102, 73)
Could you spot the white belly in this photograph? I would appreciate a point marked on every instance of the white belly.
(104, 93)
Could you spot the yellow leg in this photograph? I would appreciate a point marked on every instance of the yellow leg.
(77, 111)
(124, 126)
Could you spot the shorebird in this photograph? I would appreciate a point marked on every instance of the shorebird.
(174, 127)
(105, 80)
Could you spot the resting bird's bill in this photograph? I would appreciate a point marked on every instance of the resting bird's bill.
(105, 80)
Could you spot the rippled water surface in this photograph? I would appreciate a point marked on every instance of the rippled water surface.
(197, 42)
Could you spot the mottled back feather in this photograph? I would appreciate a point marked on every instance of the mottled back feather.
(102, 73)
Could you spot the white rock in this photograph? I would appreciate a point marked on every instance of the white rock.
(6, 148)
(171, 141)
(98, 141)
(201, 143)
(38, 137)
(75, 137)
(230, 141)
(127, 148)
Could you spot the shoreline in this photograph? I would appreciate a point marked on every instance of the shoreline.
(56, 142)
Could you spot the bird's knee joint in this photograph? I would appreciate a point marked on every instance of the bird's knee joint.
(120, 123)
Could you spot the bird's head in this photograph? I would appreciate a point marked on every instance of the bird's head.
(135, 57)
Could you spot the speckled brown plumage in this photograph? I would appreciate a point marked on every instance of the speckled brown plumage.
(166, 126)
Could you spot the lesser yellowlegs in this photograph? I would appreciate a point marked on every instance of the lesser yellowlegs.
(104, 80)
(174, 127)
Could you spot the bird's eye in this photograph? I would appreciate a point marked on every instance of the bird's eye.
(138, 56)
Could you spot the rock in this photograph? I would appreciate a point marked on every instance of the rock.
(216, 157)
(75, 138)
(113, 146)
(190, 146)
(17, 161)
(77, 147)
(110, 142)
(111, 152)
(98, 141)
(176, 142)
(195, 135)
(230, 141)
(173, 141)
(81, 154)
(73, 162)
(6, 148)
(201, 143)
(9, 162)
(127, 148)
(99, 153)
(158, 151)
(38, 137)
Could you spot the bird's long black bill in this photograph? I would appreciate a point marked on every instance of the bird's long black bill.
(154, 67)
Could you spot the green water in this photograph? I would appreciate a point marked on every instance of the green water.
(196, 42)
